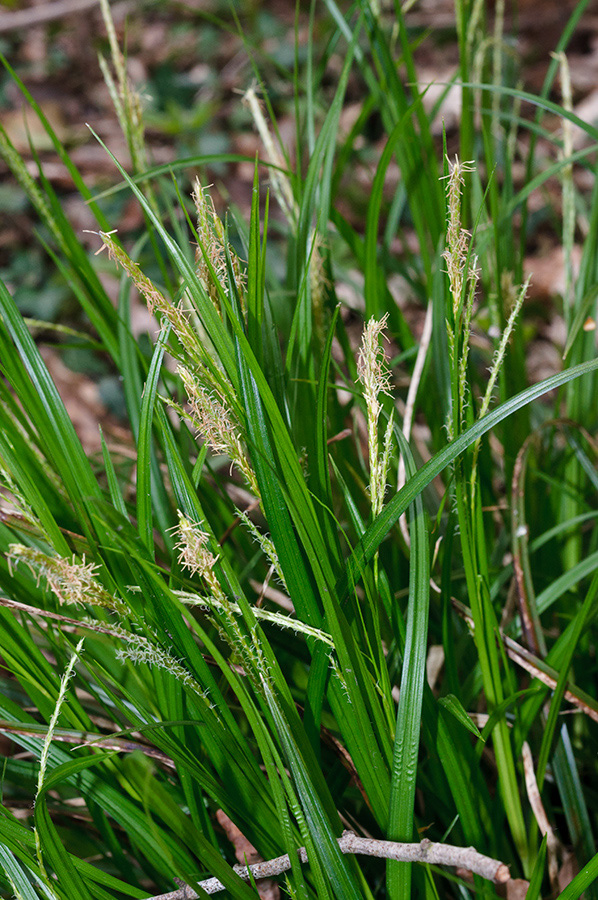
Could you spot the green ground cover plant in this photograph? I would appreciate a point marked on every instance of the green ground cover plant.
(239, 625)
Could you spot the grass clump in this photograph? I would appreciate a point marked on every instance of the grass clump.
(277, 643)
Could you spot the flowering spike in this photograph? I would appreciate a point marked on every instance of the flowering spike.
(71, 581)
(194, 554)
(375, 378)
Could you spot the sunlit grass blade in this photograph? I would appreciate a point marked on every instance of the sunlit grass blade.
(52, 419)
(16, 874)
(144, 460)
(407, 737)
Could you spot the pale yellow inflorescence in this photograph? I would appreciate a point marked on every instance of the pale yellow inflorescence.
(457, 238)
(175, 314)
(371, 365)
(210, 257)
(463, 280)
(194, 554)
(375, 379)
(71, 581)
(212, 416)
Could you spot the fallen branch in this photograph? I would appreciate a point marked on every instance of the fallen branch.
(38, 15)
(425, 852)
(32, 16)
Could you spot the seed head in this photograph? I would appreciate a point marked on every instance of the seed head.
(71, 581)
(371, 365)
(375, 378)
(457, 239)
(216, 422)
(194, 554)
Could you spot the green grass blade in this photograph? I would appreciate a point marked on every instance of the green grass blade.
(404, 771)
(378, 530)
(332, 861)
(576, 631)
(115, 493)
(535, 883)
(11, 867)
(52, 419)
(144, 462)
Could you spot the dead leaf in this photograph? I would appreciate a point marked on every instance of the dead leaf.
(568, 870)
(514, 889)
(23, 128)
(246, 854)
(81, 397)
(548, 272)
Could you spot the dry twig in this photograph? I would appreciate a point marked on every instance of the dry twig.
(47, 12)
(426, 852)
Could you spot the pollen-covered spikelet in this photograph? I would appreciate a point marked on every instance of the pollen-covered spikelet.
(463, 279)
(139, 650)
(374, 377)
(210, 257)
(70, 580)
(371, 365)
(175, 314)
(457, 238)
(194, 554)
(211, 414)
